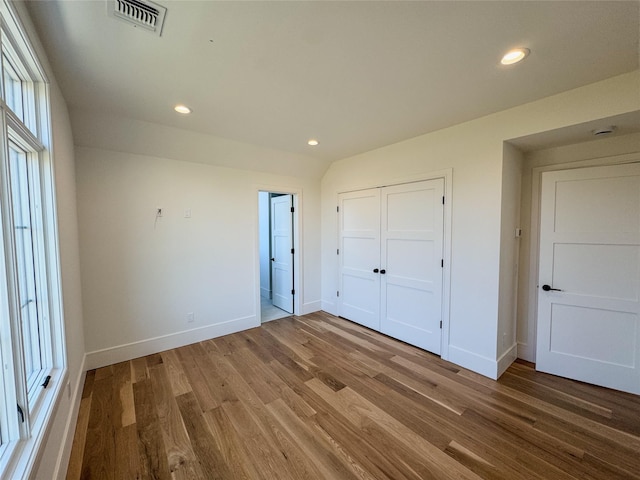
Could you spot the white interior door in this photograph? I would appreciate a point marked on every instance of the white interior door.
(281, 252)
(589, 328)
(359, 217)
(411, 268)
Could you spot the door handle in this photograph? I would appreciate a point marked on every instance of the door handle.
(547, 288)
(383, 271)
(273, 259)
(375, 270)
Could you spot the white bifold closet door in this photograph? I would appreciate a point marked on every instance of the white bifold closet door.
(391, 242)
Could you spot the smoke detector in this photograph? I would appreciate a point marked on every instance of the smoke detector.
(147, 15)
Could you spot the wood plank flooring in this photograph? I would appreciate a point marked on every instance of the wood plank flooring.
(317, 397)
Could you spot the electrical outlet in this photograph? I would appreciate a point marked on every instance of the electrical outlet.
(190, 317)
(68, 390)
(187, 213)
(159, 212)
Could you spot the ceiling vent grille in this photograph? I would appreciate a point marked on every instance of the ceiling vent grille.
(139, 13)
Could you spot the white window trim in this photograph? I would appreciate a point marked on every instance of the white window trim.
(18, 458)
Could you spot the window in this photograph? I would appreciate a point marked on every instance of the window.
(31, 342)
(27, 226)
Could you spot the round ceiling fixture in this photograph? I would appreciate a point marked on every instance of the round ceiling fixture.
(514, 56)
(313, 142)
(182, 109)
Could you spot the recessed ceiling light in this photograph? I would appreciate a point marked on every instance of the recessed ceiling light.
(313, 142)
(514, 56)
(182, 109)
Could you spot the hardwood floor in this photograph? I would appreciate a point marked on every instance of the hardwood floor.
(317, 397)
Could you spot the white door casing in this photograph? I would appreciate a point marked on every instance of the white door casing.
(589, 330)
(281, 252)
(391, 249)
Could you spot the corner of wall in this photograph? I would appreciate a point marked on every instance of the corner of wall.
(512, 163)
(311, 307)
(472, 361)
(506, 359)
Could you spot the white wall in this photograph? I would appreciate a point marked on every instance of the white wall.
(141, 276)
(110, 132)
(265, 241)
(509, 248)
(474, 150)
(596, 152)
(53, 455)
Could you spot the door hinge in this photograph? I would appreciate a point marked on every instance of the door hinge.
(293, 292)
(443, 200)
(338, 293)
(293, 250)
(338, 251)
(45, 384)
(292, 209)
(442, 263)
(338, 209)
(21, 413)
(440, 323)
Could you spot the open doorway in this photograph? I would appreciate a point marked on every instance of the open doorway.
(277, 255)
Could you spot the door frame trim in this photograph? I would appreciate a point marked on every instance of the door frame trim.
(529, 350)
(298, 267)
(447, 175)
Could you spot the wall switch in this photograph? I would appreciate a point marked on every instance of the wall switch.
(187, 213)
(190, 317)
(518, 232)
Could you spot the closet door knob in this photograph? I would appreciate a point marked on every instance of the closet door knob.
(375, 270)
(383, 271)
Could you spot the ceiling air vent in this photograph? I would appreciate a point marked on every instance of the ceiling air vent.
(147, 15)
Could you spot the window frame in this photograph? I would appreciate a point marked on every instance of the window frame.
(38, 257)
(21, 441)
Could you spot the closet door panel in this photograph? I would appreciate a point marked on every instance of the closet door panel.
(411, 254)
(359, 294)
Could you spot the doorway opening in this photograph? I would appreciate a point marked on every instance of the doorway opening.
(277, 238)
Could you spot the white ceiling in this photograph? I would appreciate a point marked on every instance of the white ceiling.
(355, 75)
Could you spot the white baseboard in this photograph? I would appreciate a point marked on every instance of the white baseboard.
(329, 307)
(122, 353)
(506, 359)
(527, 352)
(478, 363)
(311, 307)
(62, 464)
